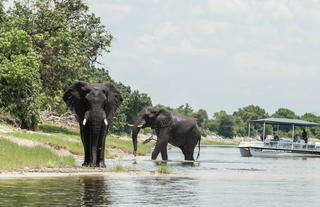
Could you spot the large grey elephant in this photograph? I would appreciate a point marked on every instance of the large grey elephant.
(94, 106)
(174, 128)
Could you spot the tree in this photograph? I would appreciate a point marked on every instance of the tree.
(67, 37)
(201, 118)
(136, 103)
(315, 131)
(213, 125)
(185, 109)
(19, 77)
(249, 113)
(226, 126)
(285, 113)
(239, 126)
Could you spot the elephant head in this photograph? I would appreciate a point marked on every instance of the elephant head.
(153, 117)
(94, 105)
(84, 99)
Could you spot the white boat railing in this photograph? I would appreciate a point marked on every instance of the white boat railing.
(283, 144)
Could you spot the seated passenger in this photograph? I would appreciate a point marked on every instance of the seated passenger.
(296, 138)
(275, 137)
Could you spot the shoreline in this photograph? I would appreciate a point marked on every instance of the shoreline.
(69, 172)
(17, 175)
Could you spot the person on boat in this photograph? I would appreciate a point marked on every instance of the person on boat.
(296, 138)
(275, 137)
(305, 136)
(262, 138)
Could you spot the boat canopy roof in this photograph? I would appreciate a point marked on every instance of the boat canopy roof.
(283, 121)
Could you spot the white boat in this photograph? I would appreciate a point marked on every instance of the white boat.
(281, 148)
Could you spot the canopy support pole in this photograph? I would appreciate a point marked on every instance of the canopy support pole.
(292, 131)
(292, 135)
(264, 130)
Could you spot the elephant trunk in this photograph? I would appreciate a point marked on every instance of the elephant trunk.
(135, 131)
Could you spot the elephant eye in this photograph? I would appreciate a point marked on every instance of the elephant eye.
(85, 90)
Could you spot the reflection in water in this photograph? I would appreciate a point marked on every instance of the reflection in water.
(39, 192)
(94, 191)
(175, 191)
(176, 163)
(67, 191)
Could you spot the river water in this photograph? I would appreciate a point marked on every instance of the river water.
(221, 177)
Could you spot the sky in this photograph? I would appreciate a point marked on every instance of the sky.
(216, 54)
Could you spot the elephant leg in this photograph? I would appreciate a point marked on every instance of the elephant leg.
(84, 138)
(101, 148)
(161, 145)
(94, 139)
(188, 153)
(164, 154)
(93, 162)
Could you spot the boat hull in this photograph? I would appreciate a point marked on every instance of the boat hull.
(267, 152)
(256, 152)
(245, 152)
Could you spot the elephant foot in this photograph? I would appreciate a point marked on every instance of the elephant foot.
(101, 164)
(85, 164)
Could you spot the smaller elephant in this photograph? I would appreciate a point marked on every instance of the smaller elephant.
(174, 128)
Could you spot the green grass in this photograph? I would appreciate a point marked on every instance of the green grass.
(14, 157)
(73, 144)
(212, 142)
(54, 129)
(127, 145)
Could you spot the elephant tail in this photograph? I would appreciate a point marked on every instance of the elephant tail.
(199, 148)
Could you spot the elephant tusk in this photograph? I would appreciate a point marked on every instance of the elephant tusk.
(84, 122)
(141, 125)
(106, 122)
(130, 125)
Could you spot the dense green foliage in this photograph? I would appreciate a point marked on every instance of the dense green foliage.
(46, 45)
(67, 38)
(19, 77)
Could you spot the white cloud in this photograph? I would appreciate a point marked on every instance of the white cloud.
(154, 41)
(186, 48)
(257, 63)
(115, 10)
(230, 6)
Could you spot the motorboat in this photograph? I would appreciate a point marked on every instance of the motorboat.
(283, 147)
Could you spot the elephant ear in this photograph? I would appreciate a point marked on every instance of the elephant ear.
(74, 98)
(164, 118)
(114, 99)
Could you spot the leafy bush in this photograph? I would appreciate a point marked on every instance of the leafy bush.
(19, 77)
